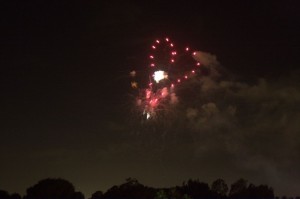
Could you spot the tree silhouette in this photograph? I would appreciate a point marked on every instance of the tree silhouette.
(161, 194)
(97, 195)
(131, 189)
(238, 189)
(219, 188)
(196, 189)
(15, 196)
(261, 191)
(77, 195)
(4, 194)
(53, 189)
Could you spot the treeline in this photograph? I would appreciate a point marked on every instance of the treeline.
(132, 189)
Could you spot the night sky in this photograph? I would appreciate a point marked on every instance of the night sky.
(67, 108)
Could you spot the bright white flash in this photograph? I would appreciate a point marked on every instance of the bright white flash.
(159, 75)
(148, 116)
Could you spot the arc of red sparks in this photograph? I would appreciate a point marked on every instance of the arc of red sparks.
(173, 53)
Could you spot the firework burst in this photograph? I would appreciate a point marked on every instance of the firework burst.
(168, 68)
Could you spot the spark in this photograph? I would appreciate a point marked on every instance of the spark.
(132, 73)
(148, 94)
(148, 116)
(134, 84)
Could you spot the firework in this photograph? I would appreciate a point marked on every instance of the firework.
(168, 67)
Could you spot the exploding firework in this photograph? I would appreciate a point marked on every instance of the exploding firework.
(168, 67)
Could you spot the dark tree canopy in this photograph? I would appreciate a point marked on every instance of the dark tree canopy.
(219, 188)
(196, 189)
(97, 195)
(4, 194)
(261, 191)
(53, 189)
(238, 189)
(132, 189)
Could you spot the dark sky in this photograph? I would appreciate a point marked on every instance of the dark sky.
(65, 105)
